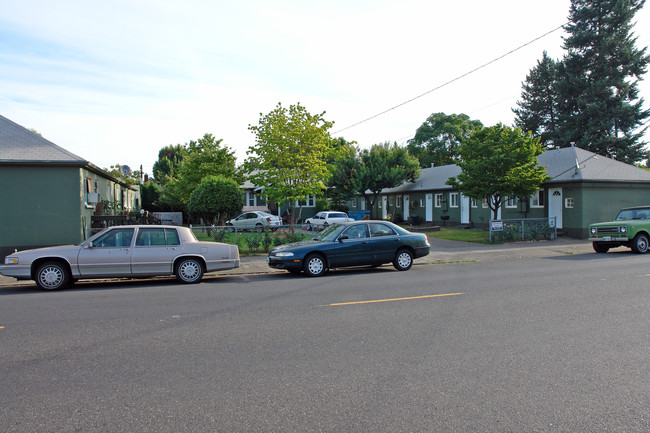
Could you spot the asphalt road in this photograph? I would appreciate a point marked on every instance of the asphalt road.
(551, 342)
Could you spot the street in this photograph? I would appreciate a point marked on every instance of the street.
(554, 343)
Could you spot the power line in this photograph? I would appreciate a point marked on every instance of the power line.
(453, 80)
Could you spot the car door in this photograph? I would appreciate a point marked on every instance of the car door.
(353, 248)
(107, 256)
(384, 242)
(154, 251)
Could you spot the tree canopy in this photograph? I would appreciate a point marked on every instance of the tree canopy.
(289, 157)
(594, 88)
(343, 164)
(437, 140)
(201, 158)
(499, 162)
(169, 158)
(384, 166)
(216, 199)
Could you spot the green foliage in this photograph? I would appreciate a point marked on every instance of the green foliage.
(538, 110)
(594, 87)
(132, 178)
(169, 159)
(217, 198)
(289, 158)
(342, 164)
(384, 166)
(150, 194)
(499, 162)
(437, 140)
(201, 158)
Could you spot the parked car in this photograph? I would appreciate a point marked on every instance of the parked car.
(123, 251)
(326, 218)
(255, 220)
(631, 229)
(351, 244)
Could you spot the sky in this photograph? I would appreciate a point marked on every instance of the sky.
(115, 81)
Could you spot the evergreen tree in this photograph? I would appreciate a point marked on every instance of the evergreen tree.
(595, 84)
(538, 108)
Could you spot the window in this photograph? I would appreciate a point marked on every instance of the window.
(484, 204)
(438, 201)
(421, 202)
(569, 202)
(356, 232)
(398, 201)
(116, 238)
(512, 202)
(537, 199)
(378, 229)
(474, 203)
(453, 199)
(251, 199)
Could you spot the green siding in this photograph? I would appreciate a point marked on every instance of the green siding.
(39, 206)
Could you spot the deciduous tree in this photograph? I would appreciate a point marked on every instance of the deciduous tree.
(499, 162)
(216, 199)
(289, 157)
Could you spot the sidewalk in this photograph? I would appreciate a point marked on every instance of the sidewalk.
(441, 251)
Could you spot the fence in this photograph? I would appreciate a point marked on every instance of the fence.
(523, 229)
(254, 241)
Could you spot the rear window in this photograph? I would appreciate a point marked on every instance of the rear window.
(338, 215)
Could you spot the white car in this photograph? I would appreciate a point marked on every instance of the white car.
(123, 251)
(326, 218)
(255, 220)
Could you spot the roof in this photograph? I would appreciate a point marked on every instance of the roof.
(573, 164)
(20, 145)
(430, 178)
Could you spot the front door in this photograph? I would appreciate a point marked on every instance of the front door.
(429, 207)
(555, 206)
(406, 208)
(109, 255)
(464, 209)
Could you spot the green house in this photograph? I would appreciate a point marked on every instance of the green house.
(584, 188)
(47, 194)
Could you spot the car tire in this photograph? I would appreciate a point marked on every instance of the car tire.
(314, 265)
(600, 247)
(403, 260)
(52, 276)
(189, 271)
(259, 228)
(640, 244)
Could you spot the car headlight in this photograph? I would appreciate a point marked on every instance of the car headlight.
(623, 229)
(284, 254)
(593, 230)
(11, 260)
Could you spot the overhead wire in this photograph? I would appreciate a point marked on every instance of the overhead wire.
(496, 59)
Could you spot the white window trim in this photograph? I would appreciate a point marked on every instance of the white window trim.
(453, 199)
(437, 200)
(511, 203)
(569, 202)
(534, 200)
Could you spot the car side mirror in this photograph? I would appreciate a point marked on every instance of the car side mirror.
(342, 237)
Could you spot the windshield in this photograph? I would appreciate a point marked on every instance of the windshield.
(330, 233)
(633, 214)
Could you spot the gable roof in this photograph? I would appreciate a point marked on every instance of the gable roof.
(20, 145)
(430, 178)
(573, 164)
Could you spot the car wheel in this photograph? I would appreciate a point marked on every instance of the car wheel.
(259, 228)
(314, 265)
(189, 271)
(640, 244)
(52, 276)
(600, 248)
(403, 260)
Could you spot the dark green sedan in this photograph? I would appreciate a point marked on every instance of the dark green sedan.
(356, 243)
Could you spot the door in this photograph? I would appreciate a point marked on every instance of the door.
(555, 205)
(429, 207)
(406, 208)
(108, 255)
(464, 209)
(154, 251)
(355, 250)
(384, 207)
(384, 242)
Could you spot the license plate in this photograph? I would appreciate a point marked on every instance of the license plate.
(606, 238)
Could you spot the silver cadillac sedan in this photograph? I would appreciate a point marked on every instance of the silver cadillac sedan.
(123, 251)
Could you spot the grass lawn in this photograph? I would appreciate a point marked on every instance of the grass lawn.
(465, 235)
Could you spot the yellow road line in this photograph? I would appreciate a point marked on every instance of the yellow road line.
(391, 300)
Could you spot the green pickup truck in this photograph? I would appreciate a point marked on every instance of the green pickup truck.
(631, 229)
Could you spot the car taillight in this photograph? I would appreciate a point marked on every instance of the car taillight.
(268, 220)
